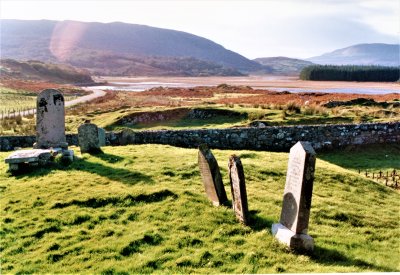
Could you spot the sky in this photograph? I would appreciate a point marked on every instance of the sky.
(252, 28)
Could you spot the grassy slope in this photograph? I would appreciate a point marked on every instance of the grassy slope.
(143, 209)
(12, 99)
(249, 114)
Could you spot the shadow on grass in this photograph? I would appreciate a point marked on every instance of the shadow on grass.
(259, 223)
(333, 257)
(183, 123)
(126, 201)
(125, 176)
(110, 158)
(376, 157)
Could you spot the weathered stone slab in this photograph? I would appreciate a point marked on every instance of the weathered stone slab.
(297, 197)
(50, 120)
(211, 176)
(238, 188)
(27, 156)
(102, 137)
(88, 138)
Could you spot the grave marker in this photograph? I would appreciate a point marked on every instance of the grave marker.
(50, 120)
(238, 188)
(88, 138)
(293, 226)
(211, 176)
(102, 137)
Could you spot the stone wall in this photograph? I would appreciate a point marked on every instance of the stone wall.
(9, 143)
(268, 138)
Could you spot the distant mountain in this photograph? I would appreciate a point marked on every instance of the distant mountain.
(283, 65)
(101, 63)
(63, 41)
(37, 70)
(362, 54)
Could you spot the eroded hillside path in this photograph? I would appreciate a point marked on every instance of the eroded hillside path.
(95, 94)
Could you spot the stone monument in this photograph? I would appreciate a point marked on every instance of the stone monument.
(88, 138)
(50, 120)
(211, 176)
(102, 136)
(238, 188)
(50, 134)
(293, 226)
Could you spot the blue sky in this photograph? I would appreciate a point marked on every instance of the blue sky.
(259, 28)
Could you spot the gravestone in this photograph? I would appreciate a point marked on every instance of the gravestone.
(211, 176)
(102, 137)
(36, 157)
(293, 226)
(50, 120)
(50, 134)
(238, 188)
(88, 138)
(33, 157)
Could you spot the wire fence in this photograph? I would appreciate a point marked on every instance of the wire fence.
(390, 178)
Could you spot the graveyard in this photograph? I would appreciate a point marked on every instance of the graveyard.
(143, 208)
(107, 203)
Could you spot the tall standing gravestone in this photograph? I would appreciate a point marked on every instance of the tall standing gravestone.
(50, 120)
(211, 176)
(88, 138)
(238, 188)
(293, 226)
(50, 133)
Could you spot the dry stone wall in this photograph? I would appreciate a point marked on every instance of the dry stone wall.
(269, 138)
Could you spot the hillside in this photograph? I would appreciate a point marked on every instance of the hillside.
(283, 65)
(61, 41)
(36, 70)
(362, 54)
(100, 63)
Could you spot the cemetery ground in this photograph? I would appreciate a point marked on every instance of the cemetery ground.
(240, 105)
(142, 209)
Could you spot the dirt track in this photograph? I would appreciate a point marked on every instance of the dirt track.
(95, 94)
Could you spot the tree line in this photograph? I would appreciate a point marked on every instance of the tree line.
(350, 73)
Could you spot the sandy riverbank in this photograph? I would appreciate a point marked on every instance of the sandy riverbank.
(260, 82)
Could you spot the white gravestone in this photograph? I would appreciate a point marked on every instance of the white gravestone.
(50, 120)
(293, 226)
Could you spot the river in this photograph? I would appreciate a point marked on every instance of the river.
(291, 84)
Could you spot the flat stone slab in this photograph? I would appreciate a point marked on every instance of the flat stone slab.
(291, 239)
(27, 156)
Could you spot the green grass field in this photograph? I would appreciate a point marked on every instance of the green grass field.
(143, 209)
(17, 100)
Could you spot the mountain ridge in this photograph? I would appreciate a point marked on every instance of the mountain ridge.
(361, 54)
(48, 40)
(281, 65)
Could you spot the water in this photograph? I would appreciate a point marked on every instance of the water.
(143, 86)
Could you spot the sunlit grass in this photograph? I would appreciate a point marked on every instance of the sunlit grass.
(142, 209)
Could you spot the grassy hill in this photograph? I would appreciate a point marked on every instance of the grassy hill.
(37, 70)
(142, 209)
(102, 63)
(62, 41)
